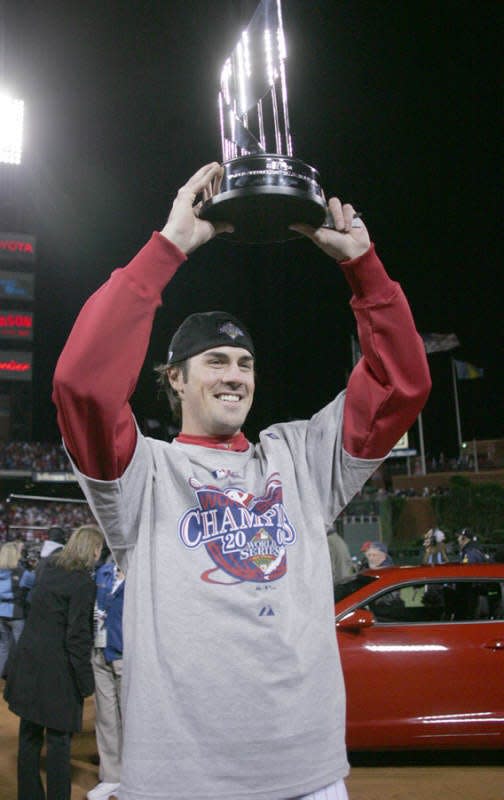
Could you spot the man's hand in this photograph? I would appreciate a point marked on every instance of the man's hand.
(350, 238)
(183, 227)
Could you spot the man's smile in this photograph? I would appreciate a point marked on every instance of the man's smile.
(229, 398)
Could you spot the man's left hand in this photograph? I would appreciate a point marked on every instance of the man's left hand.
(349, 239)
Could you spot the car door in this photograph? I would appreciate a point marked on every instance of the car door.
(422, 675)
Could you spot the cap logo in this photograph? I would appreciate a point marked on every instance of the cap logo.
(231, 330)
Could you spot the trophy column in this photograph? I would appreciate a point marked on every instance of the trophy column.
(264, 189)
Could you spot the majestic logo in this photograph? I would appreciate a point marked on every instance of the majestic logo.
(222, 473)
(245, 536)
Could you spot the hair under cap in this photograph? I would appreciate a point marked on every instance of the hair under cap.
(200, 332)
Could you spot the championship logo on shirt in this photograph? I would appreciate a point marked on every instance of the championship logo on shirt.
(245, 536)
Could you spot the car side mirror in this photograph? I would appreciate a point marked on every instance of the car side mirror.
(355, 620)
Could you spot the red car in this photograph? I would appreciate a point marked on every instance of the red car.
(422, 650)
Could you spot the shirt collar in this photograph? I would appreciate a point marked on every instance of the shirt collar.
(238, 442)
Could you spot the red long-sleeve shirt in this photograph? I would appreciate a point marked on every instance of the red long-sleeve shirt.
(99, 366)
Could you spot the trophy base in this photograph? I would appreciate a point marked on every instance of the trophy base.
(262, 195)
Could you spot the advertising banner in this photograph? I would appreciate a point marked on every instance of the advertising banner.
(15, 324)
(17, 246)
(15, 365)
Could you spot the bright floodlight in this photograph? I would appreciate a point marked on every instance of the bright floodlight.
(11, 129)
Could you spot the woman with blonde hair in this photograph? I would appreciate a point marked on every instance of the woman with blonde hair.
(9, 555)
(13, 592)
(51, 673)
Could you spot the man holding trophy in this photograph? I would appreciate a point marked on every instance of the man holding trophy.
(232, 682)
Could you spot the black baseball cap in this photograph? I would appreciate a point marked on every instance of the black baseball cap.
(200, 332)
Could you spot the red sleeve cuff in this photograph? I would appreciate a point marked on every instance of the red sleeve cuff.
(367, 276)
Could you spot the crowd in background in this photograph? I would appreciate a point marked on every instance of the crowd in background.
(30, 520)
(33, 457)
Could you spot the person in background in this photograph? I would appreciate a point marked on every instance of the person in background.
(56, 539)
(29, 559)
(50, 673)
(14, 588)
(434, 547)
(341, 561)
(470, 553)
(434, 552)
(376, 555)
(107, 668)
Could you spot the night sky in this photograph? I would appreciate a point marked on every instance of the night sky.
(397, 105)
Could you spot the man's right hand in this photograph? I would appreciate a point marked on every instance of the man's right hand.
(183, 227)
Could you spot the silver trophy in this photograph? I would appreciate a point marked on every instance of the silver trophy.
(264, 188)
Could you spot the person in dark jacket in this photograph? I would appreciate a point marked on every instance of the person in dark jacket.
(470, 553)
(50, 673)
(14, 588)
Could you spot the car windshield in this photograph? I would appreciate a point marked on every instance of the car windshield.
(346, 586)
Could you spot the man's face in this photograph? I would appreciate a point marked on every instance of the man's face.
(218, 393)
(375, 557)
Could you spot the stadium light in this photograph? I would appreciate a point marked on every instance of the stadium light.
(11, 129)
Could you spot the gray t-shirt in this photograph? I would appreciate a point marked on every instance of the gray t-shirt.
(232, 686)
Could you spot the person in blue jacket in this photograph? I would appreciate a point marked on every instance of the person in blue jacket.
(470, 553)
(15, 583)
(107, 668)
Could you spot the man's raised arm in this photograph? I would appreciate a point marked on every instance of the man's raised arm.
(97, 371)
(391, 383)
